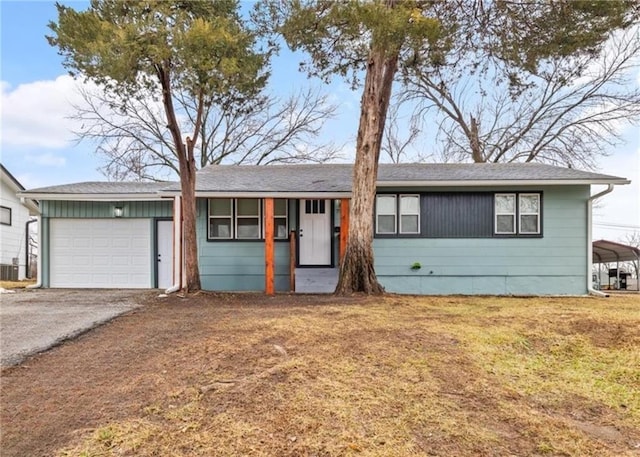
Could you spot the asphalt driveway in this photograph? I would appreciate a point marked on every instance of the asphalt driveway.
(32, 321)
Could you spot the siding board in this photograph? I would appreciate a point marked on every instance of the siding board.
(91, 210)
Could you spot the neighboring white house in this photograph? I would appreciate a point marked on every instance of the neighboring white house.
(14, 215)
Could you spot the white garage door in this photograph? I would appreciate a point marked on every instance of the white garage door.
(100, 253)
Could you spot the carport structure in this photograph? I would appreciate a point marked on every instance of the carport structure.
(609, 252)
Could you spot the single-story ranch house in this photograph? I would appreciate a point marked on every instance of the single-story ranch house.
(439, 229)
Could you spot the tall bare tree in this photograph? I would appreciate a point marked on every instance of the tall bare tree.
(131, 137)
(401, 133)
(202, 49)
(495, 101)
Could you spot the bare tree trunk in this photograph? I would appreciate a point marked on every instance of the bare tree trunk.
(474, 142)
(187, 184)
(356, 271)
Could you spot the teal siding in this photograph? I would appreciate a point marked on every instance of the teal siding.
(97, 210)
(92, 210)
(553, 264)
(237, 265)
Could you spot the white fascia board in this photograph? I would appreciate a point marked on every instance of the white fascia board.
(290, 195)
(503, 183)
(93, 197)
(31, 205)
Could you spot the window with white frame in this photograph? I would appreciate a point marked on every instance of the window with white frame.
(248, 218)
(280, 219)
(397, 214)
(518, 213)
(529, 214)
(385, 214)
(220, 218)
(242, 219)
(505, 211)
(5, 215)
(409, 214)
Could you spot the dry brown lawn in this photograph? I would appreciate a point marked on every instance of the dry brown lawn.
(249, 375)
(16, 284)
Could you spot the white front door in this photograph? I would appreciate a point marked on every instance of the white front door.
(164, 257)
(315, 232)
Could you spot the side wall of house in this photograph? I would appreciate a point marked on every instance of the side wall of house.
(57, 209)
(555, 263)
(13, 236)
(237, 265)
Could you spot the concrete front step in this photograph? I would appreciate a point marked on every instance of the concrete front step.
(316, 280)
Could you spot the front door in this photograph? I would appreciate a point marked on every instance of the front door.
(164, 257)
(315, 233)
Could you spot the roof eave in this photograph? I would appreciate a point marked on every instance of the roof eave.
(502, 183)
(268, 194)
(92, 197)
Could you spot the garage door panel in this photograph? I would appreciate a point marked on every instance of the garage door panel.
(100, 253)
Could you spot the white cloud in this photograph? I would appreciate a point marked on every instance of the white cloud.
(36, 114)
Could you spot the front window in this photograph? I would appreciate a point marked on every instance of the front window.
(220, 218)
(529, 206)
(518, 214)
(505, 205)
(386, 214)
(409, 214)
(248, 218)
(242, 219)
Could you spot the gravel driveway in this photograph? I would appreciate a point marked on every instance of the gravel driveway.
(32, 321)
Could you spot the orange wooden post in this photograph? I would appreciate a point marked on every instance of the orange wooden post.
(344, 226)
(268, 247)
(292, 261)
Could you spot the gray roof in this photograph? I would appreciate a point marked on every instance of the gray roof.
(99, 188)
(337, 177)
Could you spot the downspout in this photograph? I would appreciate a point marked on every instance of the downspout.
(590, 200)
(27, 259)
(38, 283)
(177, 246)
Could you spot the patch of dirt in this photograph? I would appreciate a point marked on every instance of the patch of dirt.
(607, 334)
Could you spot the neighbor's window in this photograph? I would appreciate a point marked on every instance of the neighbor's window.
(248, 218)
(505, 206)
(409, 214)
(220, 218)
(529, 213)
(386, 214)
(5, 215)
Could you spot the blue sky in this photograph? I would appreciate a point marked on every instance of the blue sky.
(37, 141)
